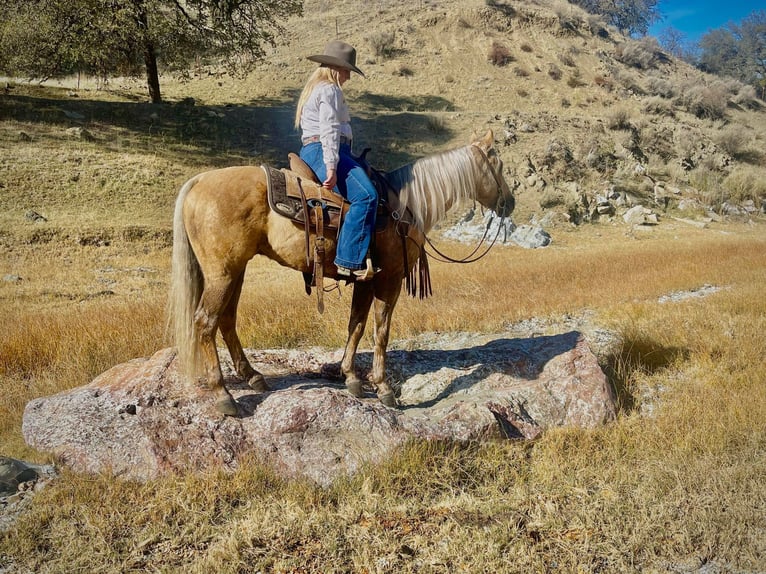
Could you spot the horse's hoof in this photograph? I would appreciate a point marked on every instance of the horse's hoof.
(388, 399)
(355, 388)
(258, 383)
(227, 406)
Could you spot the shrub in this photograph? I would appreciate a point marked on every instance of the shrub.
(746, 97)
(599, 154)
(499, 55)
(619, 120)
(731, 140)
(643, 53)
(569, 19)
(567, 60)
(746, 183)
(604, 82)
(659, 107)
(520, 72)
(661, 87)
(554, 72)
(436, 124)
(596, 26)
(382, 43)
(708, 182)
(706, 101)
(526, 48)
(559, 160)
(575, 81)
(551, 198)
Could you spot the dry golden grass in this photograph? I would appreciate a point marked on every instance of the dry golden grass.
(675, 481)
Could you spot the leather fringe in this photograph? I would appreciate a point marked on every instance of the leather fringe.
(418, 280)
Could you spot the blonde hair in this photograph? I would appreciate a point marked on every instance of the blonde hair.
(322, 75)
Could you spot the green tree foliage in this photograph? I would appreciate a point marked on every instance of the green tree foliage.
(738, 50)
(629, 16)
(49, 38)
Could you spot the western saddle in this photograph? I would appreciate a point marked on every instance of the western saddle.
(297, 194)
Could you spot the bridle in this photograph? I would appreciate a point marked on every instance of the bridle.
(472, 257)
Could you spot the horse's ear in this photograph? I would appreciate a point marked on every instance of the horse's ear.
(488, 140)
(484, 142)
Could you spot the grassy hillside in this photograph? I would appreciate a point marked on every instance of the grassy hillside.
(88, 178)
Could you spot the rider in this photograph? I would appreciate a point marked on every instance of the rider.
(323, 117)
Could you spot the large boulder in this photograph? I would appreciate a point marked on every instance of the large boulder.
(139, 420)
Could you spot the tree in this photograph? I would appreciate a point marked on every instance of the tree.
(753, 47)
(675, 43)
(737, 50)
(629, 16)
(49, 38)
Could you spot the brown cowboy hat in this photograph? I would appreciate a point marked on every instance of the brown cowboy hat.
(340, 55)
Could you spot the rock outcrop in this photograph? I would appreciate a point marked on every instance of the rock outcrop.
(139, 420)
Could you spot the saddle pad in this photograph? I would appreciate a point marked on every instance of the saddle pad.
(287, 193)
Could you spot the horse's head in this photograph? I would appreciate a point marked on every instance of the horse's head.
(494, 193)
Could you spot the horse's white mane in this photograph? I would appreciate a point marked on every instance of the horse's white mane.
(433, 184)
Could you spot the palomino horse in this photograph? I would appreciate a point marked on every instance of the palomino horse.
(222, 220)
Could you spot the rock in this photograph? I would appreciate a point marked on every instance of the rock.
(604, 208)
(14, 474)
(698, 293)
(32, 215)
(19, 482)
(530, 237)
(689, 204)
(692, 222)
(139, 420)
(471, 229)
(640, 215)
(11, 278)
(80, 134)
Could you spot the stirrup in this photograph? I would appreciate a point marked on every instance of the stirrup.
(359, 274)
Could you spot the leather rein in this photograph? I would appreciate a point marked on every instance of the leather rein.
(472, 257)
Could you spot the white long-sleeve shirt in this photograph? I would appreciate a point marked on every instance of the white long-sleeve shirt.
(325, 114)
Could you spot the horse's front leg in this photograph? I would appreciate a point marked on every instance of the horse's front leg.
(385, 302)
(360, 308)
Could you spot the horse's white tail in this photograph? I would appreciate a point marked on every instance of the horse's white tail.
(186, 283)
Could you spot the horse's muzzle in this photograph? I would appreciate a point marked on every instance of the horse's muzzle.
(505, 205)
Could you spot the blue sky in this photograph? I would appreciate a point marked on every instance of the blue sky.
(695, 17)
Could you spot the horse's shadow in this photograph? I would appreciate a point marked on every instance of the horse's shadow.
(522, 358)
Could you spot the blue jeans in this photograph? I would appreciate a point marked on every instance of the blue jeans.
(354, 185)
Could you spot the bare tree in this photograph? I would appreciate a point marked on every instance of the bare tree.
(738, 50)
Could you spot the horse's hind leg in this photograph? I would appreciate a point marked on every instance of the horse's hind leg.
(228, 325)
(215, 296)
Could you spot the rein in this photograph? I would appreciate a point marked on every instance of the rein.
(444, 258)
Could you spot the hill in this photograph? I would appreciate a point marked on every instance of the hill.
(586, 112)
(589, 122)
